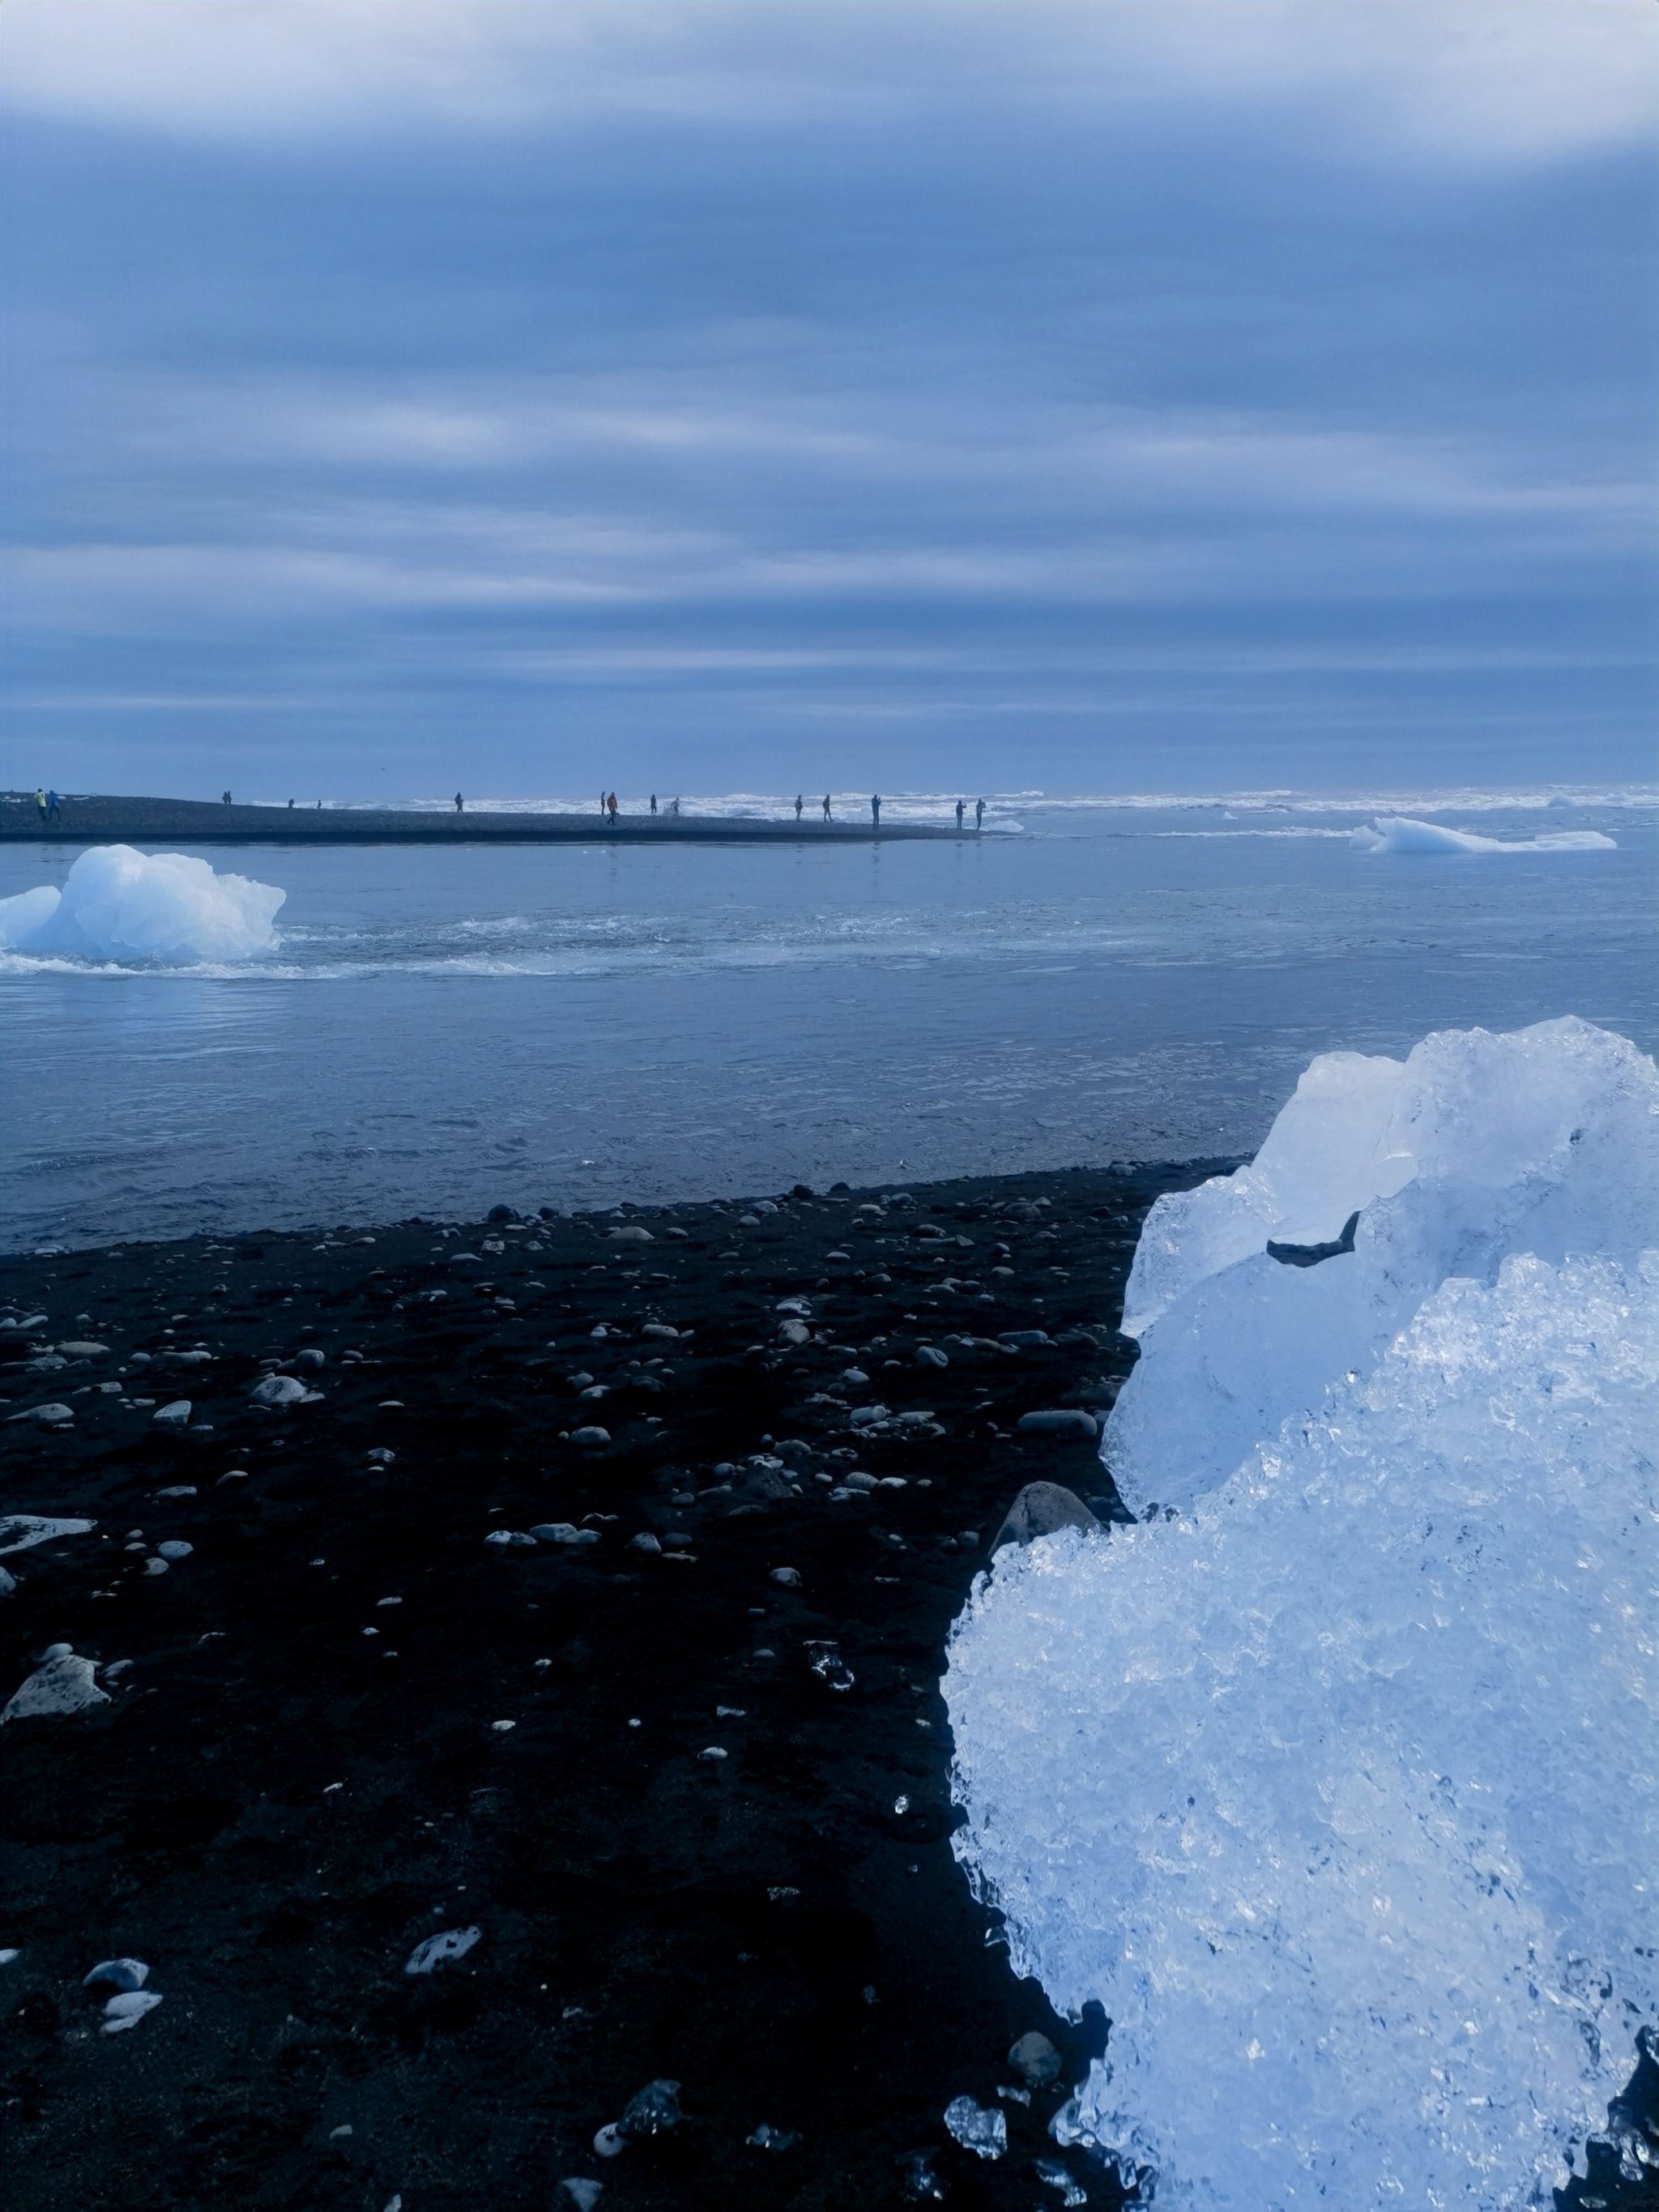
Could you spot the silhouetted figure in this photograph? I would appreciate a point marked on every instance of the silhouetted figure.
(962, 808)
(611, 806)
(460, 803)
(53, 810)
(226, 797)
(800, 803)
(875, 809)
(653, 802)
(290, 806)
(979, 814)
(827, 815)
(40, 804)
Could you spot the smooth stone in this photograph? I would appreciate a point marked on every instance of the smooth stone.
(117, 1974)
(631, 1235)
(279, 1390)
(645, 1541)
(590, 1439)
(1035, 2060)
(1026, 1339)
(1041, 1510)
(1058, 1421)
(52, 1416)
(508, 1539)
(789, 1577)
(563, 1532)
(929, 1355)
(174, 1548)
(128, 2009)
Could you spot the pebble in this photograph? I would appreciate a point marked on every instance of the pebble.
(632, 1235)
(563, 1532)
(789, 1577)
(645, 1541)
(591, 1438)
(1035, 2060)
(174, 1548)
(583, 2194)
(281, 1390)
(1039, 1510)
(1059, 1421)
(177, 1490)
(117, 1974)
(128, 2009)
(929, 1355)
(19, 1532)
(63, 1684)
(438, 1950)
(49, 1416)
(506, 1539)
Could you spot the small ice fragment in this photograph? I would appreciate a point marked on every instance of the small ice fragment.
(501, 1727)
(712, 1750)
(438, 1950)
(824, 1659)
(900, 1804)
(8, 1954)
(729, 1712)
(1050, 2170)
(789, 1577)
(583, 2194)
(117, 1974)
(978, 2128)
(128, 2009)
(509, 1539)
(174, 1415)
(921, 2181)
(645, 1541)
(177, 1490)
(766, 2137)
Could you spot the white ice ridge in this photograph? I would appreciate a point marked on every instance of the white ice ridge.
(1341, 1792)
(162, 907)
(1474, 1147)
(1400, 833)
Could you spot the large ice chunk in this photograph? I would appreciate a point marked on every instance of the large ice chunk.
(1340, 1792)
(1476, 1146)
(161, 908)
(1402, 833)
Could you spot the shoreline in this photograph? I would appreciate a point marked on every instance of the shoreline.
(199, 821)
(273, 1809)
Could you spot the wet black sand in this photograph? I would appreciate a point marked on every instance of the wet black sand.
(295, 1783)
(278, 1806)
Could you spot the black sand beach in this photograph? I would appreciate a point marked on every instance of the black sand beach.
(199, 821)
(295, 1783)
(347, 1722)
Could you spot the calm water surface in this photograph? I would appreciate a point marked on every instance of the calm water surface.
(443, 1028)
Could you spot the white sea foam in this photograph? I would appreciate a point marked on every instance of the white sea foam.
(1400, 833)
(153, 908)
(1339, 1790)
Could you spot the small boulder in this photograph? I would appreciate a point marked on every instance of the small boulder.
(592, 1438)
(439, 1950)
(632, 1234)
(174, 1415)
(1039, 1510)
(63, 1684)
(929, 1355)
(1035, 2060)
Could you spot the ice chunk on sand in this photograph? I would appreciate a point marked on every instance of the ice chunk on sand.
(19, 1532)
(122, 905)
(1401, 833)
(64, 1684)
(1339, 1793)
(439, 1950)
(1474, 1147)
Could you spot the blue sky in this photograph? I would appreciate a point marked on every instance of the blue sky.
(1173, 394)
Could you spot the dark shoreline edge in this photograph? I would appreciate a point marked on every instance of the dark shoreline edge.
(271, 1814)
(199, 821)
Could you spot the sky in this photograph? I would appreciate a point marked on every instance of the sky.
(536, 395)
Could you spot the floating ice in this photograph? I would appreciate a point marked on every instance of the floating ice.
(1400, 833)
(122, 905)
(980, 2129)
(1476, 1146)
(1340, 1790)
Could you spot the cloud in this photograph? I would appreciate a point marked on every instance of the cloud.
(1484, 80)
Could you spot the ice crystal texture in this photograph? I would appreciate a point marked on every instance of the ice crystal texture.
(153, 907)
(1338, 1790)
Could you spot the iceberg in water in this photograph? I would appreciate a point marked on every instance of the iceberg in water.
(1400, 833)
(1338, 1790)
(164, 907)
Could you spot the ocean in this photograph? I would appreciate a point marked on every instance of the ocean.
(440, 1029)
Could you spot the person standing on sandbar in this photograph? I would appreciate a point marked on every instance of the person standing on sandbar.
(962, 808)
(800, 803)
(653, 802)
(610, 806)
(827, 815)
(460, 803)
(875, 809)
(979, 814)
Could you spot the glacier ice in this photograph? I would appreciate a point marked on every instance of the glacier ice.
(1475, 1146)
(162, 908)
(1401, 833)
(1338, 1789)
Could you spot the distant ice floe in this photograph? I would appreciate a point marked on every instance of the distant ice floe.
(1337, 1787)
(1401, 833)
(156, 909)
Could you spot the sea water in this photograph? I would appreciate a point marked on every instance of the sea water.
(438, 1028)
